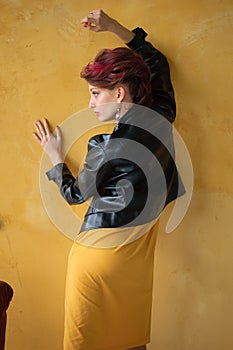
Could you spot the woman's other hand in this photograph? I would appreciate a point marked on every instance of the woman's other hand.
(51, 143)
(99, 21)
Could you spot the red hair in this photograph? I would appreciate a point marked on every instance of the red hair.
(121, 65)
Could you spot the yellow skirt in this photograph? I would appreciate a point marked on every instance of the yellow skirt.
(109, 290)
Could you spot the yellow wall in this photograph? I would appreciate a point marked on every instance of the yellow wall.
(42, 50)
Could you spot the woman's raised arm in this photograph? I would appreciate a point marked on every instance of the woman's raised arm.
(99, 21)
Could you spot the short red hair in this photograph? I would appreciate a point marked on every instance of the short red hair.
(121, 65)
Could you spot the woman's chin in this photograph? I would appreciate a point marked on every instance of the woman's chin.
(101, 118)
(104, 118)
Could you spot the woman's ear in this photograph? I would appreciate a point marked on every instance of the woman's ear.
(121, 93)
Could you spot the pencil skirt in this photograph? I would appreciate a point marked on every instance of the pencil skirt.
(108, 298)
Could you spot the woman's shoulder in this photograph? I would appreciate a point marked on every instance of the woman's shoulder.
(96, 140)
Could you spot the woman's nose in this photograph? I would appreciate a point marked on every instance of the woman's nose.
(91, 104)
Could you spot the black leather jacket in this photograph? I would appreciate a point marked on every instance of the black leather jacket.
(140, 153)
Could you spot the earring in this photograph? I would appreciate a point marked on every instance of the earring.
(117, 117)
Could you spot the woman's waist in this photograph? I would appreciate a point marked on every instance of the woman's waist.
(113, 237)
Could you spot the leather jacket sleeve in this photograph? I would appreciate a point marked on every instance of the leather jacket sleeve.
(95, 171)
(162, 89)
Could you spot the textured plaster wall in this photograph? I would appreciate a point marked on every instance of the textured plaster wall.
(42, 50)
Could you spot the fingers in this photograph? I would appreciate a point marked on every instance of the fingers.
(90, 18)
(46, 127)
(51, 143)
(92, 15)
(40, 131)
(43, 132)
(58, 133)
(93, 20)
(36, 137)
(89, 23)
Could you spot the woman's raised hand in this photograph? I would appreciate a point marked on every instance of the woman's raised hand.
(51, 143)
(98, 21)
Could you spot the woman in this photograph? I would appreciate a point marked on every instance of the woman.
(109, 284)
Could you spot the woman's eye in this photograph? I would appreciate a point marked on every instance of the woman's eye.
(95, 93)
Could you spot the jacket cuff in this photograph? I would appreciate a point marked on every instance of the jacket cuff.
(56, 171)
(138, 38)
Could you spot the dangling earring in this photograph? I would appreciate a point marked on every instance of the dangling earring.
(117, 117)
